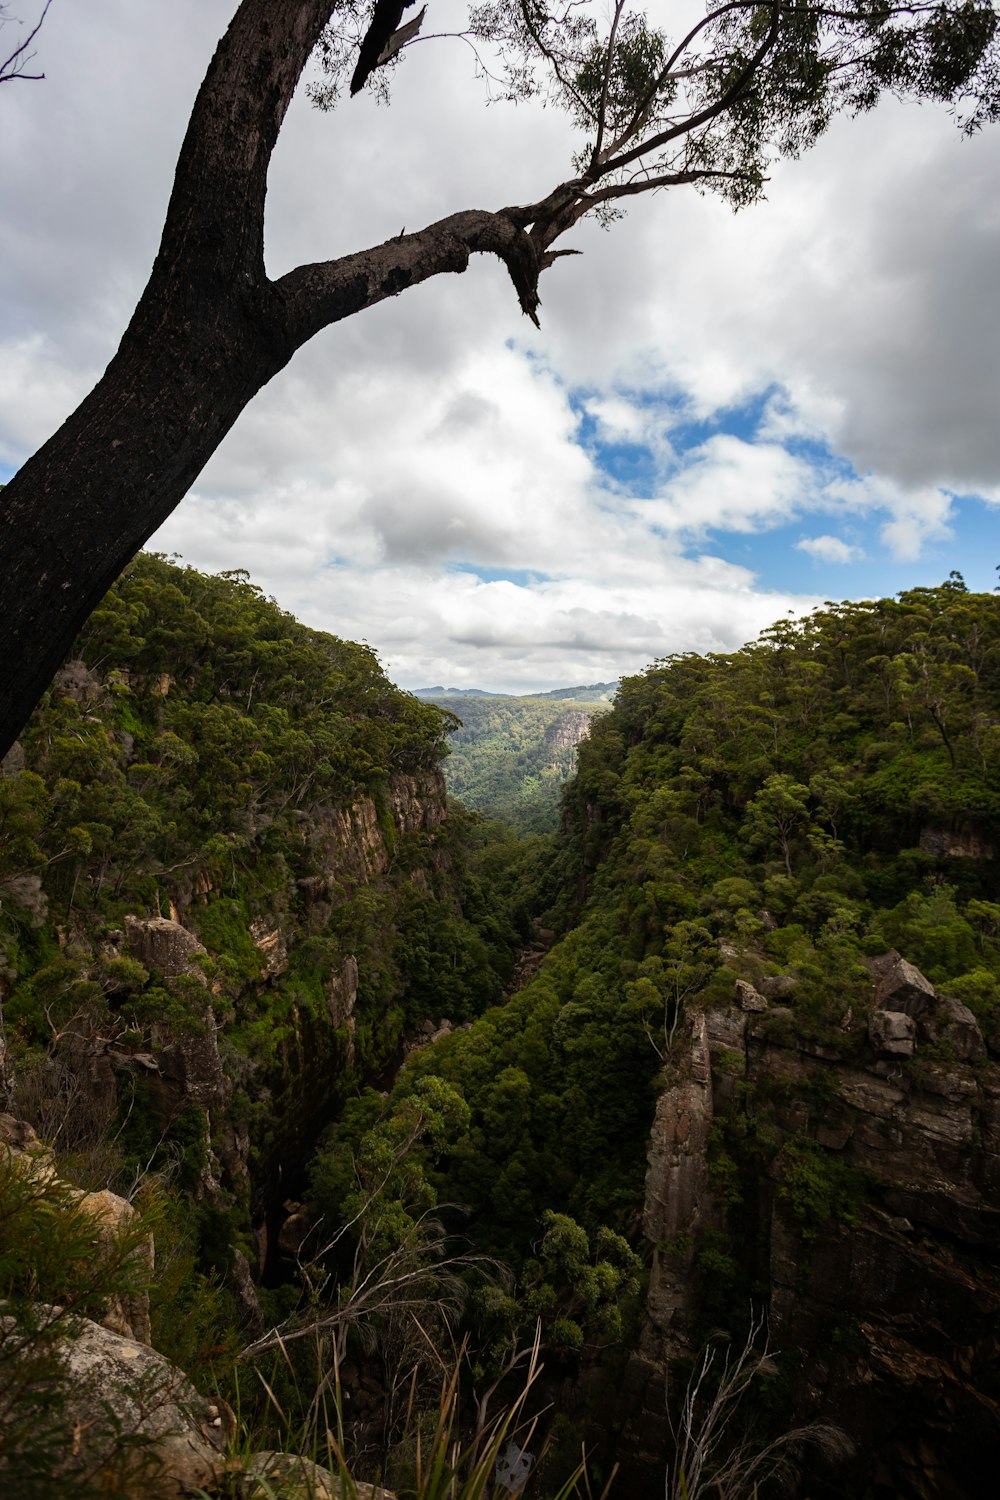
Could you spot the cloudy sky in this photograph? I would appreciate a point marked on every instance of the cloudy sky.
(723, 418)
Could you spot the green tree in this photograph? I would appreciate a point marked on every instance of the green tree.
(778, 812)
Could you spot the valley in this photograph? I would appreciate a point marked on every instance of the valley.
(714, 1063)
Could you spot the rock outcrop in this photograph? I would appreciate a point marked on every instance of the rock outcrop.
(870, 1205)
(127, 1312)
(174, 1439)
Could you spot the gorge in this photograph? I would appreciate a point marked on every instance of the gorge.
(750, 1071)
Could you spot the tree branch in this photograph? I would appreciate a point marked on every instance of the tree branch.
(13, 66)
(314, 296)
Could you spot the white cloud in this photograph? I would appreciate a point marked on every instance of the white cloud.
(728, 484)
(830, 549)
(433, 439)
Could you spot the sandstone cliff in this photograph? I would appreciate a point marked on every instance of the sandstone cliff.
(857, 1179)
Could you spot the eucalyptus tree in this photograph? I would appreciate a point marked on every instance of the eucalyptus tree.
(746, 82)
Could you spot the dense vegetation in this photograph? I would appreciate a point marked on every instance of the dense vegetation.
(511, 757)
(208, 758)
(782, 812)
(823, 795)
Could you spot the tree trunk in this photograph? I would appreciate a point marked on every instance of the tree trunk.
(208, 333)
(83, 506)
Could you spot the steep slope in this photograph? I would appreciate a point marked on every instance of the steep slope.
(511, 757)
(229, 891)
(780, 980)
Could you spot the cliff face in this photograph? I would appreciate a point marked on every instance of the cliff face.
(858, 1180)
(567, 732)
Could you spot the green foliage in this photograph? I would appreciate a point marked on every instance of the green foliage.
(510, 757)
(818, 1188)
(56, 1267)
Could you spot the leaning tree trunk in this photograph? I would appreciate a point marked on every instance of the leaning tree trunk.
(209, 331)
(82, 507)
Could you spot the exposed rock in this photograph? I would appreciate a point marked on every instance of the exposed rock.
(295, 1229)
(569, 729)
(21, 1140)
(777, 986)
(677, 1175)
(892, 1033)
(943, 843)
(427, 1033)
(677, 1199)
(748, 998)
(900, 985)
(286, 1476)
(76, 681)
(893, 1298)
(148, 1398)
(160, 944)
(13, 762)
(953, 1023)
(245, 1294)
(190, 1070)
(342, 991)
(353, 844)
(127, 1313)
(271, 946)
(726, 1030)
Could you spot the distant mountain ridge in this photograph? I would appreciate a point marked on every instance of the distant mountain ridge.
(595, 692)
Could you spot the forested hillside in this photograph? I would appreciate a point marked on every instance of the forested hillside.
(771, 823)
(257, 977)
(510, 757)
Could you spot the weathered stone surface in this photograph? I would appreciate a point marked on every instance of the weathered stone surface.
(895, 1307)
(149, 1398)
(13, 762)
(245, 1293)
(342, 990)
(190, 1070)
(953, 1023)
(942, 843)
(286, 1476)
(748, 998)
(295, 1229)
(76, 681)
(677, 1174)
(777, 986)
(569, 729)
(353, 845)
(128, 1313)
(726, 1030)
(21, 1140)
(892, 1033)
(160, 944)
(271, 946)
(900, 985)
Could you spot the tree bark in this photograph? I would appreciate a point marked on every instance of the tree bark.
(209, 331)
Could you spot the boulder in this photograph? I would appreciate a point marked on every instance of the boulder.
(954, 1024)
(128, 1312)
(121, 1388)
(748, 998)
(777, 986)
(900, 985)
(286, 1476)
(160, 944)
(892, 1033)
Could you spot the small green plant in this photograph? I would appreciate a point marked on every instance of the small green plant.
(58, 1265)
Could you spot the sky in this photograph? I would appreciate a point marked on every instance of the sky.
(722, 419)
